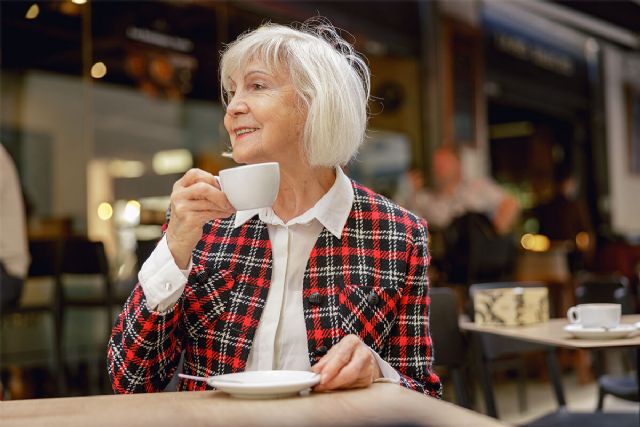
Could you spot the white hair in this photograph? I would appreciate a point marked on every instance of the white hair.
(328, 74)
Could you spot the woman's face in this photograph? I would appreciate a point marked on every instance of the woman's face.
(264, 117)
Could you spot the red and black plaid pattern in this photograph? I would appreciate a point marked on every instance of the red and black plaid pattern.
(372, 282)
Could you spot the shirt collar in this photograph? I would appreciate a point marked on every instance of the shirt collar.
(332, 210)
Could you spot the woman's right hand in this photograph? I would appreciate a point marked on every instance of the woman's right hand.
(196, 198)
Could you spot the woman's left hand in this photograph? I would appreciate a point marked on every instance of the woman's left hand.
(348, 364)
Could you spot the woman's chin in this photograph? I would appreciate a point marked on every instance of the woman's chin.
(242, 158)
(248, 157)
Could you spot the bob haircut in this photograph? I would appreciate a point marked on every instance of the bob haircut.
(329, 76)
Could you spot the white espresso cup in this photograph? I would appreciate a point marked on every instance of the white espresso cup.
(251, 186)
(595, 315)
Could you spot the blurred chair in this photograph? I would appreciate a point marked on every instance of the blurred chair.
(493, 352)
(86, 303)
(32, 331)
(475, 252)
(450, 348)
(612, 289)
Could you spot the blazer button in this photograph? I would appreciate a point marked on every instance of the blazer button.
(315, 298)
(322, 350)
(201, 277)
(373, 298)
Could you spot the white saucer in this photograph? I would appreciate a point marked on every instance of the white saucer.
(619, 331)
(264, 384)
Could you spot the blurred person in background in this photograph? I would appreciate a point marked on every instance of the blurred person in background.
(460, 210)
(14, 250)
(332, 278)
(453, 196)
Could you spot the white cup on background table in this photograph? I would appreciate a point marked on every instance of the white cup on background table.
(595, 315)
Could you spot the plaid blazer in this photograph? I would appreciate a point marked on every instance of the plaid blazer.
(372, 282)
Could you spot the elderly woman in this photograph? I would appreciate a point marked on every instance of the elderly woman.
(332, 278)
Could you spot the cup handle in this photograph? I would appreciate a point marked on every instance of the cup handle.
(573, 315)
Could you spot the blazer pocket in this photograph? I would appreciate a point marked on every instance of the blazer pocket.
(206, 297)
(369, 312)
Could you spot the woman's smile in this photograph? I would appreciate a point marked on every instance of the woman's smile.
(244, 132)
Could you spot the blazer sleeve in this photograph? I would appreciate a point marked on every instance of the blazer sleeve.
(145, 346)
(409, 349)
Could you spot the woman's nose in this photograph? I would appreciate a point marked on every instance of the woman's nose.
(237, 106)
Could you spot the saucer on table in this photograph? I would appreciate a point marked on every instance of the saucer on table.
(620, 331)
(264, 384)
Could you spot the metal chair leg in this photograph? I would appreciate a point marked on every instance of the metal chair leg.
(600, 399)
(522, 386)
(487, 386)
(460, 389)
(556, 379)
(484, 371)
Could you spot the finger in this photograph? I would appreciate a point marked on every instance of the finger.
(317, 368)
(346, 375)
(356, 373)
(338, 357)
(195, 175)
(204, 191)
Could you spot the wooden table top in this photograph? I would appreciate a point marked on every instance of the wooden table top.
(380, 404)
(552, 333)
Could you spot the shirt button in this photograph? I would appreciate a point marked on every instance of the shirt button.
(373, 298)
(315, 298)
(167, 286)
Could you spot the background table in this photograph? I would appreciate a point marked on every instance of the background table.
(380, 404)
(552, 333)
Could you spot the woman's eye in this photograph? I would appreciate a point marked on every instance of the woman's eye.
(258, 86)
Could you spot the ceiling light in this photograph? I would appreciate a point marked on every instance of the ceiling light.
(33, 12)
(132, 212)
(105, 211)
(99, 70)
(79, 1)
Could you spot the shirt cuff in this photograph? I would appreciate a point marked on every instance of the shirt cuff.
(161, 279)
(389, 375)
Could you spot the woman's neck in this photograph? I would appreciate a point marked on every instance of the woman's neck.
(300, 189)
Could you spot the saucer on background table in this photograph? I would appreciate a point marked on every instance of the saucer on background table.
(264, 384)
(620, 331)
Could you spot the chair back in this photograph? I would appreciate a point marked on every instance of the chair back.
(448, 344)
(83, 256)
(597, 288)
(45, 258)
(475, 252)
(82, 259)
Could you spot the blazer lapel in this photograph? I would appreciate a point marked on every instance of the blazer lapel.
(251, 265)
